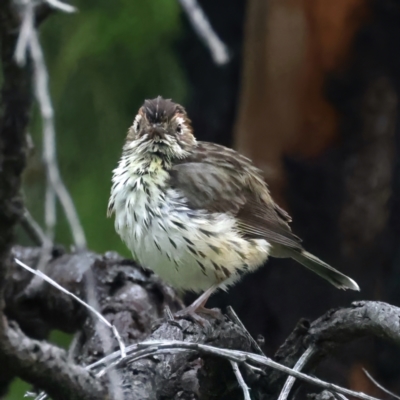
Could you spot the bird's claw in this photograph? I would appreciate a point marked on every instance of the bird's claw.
(192, 314)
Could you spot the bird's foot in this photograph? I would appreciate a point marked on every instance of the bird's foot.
(197, 307)
(214, 312)
(192, 313)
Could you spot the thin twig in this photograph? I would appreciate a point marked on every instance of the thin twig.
(259, 370)
(32, 228)
(28, 41)
(105, 338)
(55, 186)
(74, 346)
(94, 311)
(340, 396)
(25, 32)
(92, 305)
(231, 355)
(378, 385)
(234, 318)
(50, 209)
(138, 356)
(61, 6)
(204, 30)
(300, 364)
(49, 143)
(242, 383)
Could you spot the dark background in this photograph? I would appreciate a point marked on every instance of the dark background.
(310, 94)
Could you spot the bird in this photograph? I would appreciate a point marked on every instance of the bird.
(200, 215)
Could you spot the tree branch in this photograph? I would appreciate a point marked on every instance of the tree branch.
(15, 104)
(333, 329)
(46, 366)
(37, 362)
(133, 300)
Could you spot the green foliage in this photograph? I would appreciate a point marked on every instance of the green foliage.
(103, 62)
(17, 390)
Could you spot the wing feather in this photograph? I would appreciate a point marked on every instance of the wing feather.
(230, 183)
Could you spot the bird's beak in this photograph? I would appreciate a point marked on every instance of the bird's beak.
(157, 131)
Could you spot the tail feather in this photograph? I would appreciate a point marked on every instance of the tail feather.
(324, 270)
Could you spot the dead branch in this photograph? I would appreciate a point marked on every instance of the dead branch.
(133, 300)
(45, 365)
(33, 229)
(28, 44)
(19, 355)
(15, 105)
(301, 362)
(378, 385)
(153, 348)
(335, 328)
(202, 27)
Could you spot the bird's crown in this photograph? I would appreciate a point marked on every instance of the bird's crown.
(161, 127)
(160, 110)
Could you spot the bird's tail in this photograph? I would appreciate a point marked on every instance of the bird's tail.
(324, 270)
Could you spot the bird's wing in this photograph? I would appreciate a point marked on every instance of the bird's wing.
(231, 184)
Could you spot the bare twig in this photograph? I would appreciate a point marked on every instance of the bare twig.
(33, 229)
(94, 311)
(24, 34)
(50, 210)
(242, 383)
(378, 385)
(230, 355)
(28, 41)
(105, 337)
(139, 355)
(49, 154)
(204, 30)
(340, 396)
(333, 329)
(298, 367)
(58, 5)
(234, 318)
(92, 305)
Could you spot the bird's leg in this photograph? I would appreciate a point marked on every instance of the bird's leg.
(201, 301)
(192, 311)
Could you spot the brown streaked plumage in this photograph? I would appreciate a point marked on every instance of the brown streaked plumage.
(220, 180)
(198, 214)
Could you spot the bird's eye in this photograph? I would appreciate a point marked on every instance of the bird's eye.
(179, 129)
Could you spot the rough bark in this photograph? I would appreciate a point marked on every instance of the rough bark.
(47, 366)
(38, 363)
(15, 105)
(134, 299)
(15, 102)
(325, 395)
(336, 328)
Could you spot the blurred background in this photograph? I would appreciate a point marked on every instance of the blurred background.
(310, 93)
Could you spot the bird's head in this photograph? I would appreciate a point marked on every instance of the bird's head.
(161, 127)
